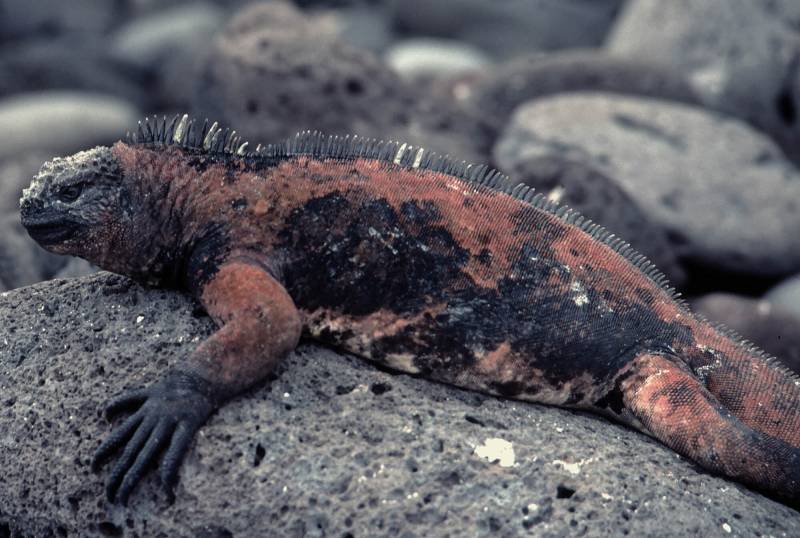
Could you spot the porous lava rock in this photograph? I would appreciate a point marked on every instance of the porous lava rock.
(331, 446)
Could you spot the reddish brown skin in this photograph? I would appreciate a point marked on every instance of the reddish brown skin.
(258, 323)
(430, 274)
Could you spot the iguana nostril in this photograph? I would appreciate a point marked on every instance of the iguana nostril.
(29, 206)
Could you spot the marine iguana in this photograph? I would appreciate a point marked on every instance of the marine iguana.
(427, 266)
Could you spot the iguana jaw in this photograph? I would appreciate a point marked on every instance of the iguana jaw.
(50, 231)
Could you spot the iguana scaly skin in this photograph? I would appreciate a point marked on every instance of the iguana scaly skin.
(411, 261)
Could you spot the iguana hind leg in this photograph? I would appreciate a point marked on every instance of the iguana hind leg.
(760, 394)
(674, 406)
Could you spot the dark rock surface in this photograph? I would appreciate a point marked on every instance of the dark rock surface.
(333, 447)
(268, 84)
(723, 192)
(509, 27)
(600, 198)
(530, 77)
(769, 326)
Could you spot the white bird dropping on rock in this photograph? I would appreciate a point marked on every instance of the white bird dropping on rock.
(497, 450)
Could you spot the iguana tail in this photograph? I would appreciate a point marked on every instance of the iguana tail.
(736, 418)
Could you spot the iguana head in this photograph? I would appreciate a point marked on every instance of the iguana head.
(132, 208)
(76, 205)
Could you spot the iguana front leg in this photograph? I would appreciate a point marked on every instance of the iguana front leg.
(258, 325)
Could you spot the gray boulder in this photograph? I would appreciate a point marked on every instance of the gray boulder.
(18, 260)
(737, 55)
(273, 72)
(786, 11)
(75, 268)
(331, 447)
(364, 26)
(146, 41)
(60, 122)
(725, 194)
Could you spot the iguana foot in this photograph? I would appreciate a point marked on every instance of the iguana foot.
(167, 415)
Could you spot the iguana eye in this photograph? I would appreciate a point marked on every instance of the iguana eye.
(70, 193)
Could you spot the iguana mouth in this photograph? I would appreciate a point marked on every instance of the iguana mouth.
(50, 231)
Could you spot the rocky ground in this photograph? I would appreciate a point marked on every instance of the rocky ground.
(675, 124)
(331, 447)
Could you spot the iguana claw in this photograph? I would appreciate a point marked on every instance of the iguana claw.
(166, 418)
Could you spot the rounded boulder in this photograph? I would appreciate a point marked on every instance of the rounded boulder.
(724, 193)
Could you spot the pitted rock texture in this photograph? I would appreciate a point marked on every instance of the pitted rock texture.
(771, 327)
(332, 447)
(274, 72)
(600, 198)
(725, 194)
